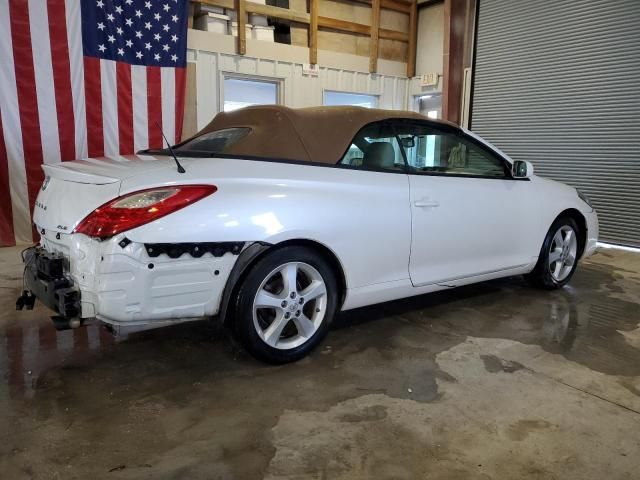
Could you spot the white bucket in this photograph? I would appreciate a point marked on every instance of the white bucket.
(212, 22)
(263, 33)
(258, 20)
(233, 29)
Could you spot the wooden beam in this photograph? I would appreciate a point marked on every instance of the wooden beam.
(374, 36)
(360, 29)
(395, 5)
(343, 26)
(454, 11)
(194, 9)
(445, 59)
(218, 3)
(305, 19)
(240, 8)
(260, 9)
(413, 39)
(394, 35)
(278, 12)
(313, 31)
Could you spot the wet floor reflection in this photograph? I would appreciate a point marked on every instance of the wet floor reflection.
(582, 323)
(559, 326)
(31, 350)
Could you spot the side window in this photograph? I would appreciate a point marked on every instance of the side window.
(217, 141)
(429, 149)
(374, 147)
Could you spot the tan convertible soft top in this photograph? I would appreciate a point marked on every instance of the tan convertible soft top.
(314, 134)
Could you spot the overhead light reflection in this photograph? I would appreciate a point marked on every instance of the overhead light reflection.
(269, 222)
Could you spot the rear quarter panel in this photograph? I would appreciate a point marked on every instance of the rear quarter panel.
(363, 217)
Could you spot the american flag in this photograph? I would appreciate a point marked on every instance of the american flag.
(83, 78)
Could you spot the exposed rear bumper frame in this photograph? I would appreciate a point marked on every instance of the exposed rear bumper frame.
(45, 277)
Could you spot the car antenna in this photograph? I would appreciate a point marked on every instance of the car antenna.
(173, 154)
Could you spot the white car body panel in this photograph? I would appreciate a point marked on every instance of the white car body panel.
(459, 227)
(481, 229)
(274, 202)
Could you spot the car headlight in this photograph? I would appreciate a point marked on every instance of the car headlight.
(584, 198)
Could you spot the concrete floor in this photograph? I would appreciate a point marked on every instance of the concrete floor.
(496, 380)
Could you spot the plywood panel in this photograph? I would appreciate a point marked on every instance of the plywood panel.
(347, 42)
(190, 122)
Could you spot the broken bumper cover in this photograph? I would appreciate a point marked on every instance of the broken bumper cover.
(128, 284)
(46, 277)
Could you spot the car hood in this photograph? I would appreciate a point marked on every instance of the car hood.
(554, 185)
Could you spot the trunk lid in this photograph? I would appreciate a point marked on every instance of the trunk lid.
(72, 190)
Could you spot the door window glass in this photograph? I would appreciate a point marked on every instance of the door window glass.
(375, 147)
(431, 150)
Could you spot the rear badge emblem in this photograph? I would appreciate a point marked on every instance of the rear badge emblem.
(45, 184)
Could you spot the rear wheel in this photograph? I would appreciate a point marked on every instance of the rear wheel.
(285, 305)
(558, 257)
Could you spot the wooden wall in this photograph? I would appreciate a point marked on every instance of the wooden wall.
(379, 29)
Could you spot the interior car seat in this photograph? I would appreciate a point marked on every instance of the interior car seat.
(379, 155)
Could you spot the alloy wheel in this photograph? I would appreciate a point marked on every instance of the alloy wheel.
(563, 252)
(290, 305)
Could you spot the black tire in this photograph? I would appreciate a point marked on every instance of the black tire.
(243, 323)
(541, 276)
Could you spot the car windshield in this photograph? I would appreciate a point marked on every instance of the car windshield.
(208, 144)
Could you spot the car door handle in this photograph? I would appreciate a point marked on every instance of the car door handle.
(426, 203)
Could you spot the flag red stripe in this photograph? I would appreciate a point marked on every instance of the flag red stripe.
(154, 106)
(93, 95)
(27, 98)
(181, 85)
(62, 78)
(7, 236)
(125, 107)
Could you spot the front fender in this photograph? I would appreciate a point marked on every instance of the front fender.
(552, 199)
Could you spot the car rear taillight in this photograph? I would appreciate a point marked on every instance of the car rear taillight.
(141, 207)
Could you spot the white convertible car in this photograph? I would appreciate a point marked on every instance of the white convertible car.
(273, 219)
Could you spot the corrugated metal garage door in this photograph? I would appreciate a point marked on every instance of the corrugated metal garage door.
(557, 83)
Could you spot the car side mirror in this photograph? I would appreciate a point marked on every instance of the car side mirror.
(522, 169)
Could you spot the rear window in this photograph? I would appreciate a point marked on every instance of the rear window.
(218, 141)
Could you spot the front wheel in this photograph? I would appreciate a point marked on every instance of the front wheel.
(558, 257)
(285, 305)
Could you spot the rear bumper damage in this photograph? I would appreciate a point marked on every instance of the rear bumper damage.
(129, 285)
(45, 278)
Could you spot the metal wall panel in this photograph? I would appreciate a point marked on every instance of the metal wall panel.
(298, 90)
(557, 83)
